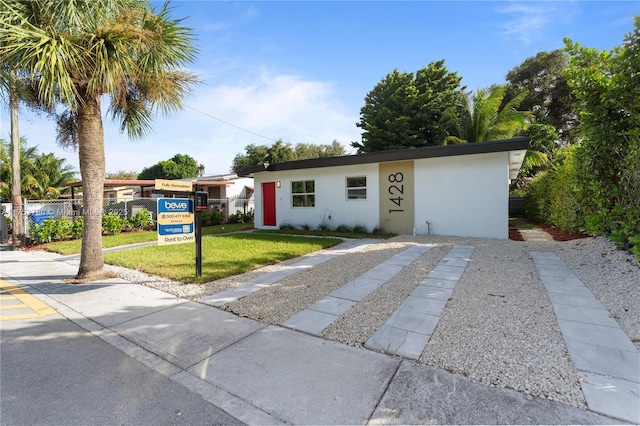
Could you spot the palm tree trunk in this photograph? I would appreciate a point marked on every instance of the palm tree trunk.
(92, 166)
(16, 190)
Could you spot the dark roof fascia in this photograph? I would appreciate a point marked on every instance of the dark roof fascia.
(396, 155)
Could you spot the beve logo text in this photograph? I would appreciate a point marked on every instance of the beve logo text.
(175, 206)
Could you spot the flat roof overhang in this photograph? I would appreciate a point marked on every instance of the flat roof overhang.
(111, 183)
(516, 148)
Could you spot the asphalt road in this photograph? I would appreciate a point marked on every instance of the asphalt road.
(54, 372)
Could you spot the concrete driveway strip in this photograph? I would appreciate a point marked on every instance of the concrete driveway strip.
(186, 334)
(608, 363)
(428, 396)
(320, 315)
(299, 378)
(408, 330)
(265, 280)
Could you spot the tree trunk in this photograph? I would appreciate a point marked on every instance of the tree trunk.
(16, 187)
(91, 156)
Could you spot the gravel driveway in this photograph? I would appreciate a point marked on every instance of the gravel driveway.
(498, 327)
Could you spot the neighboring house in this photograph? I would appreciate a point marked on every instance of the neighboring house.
(119, 193)
(238, 192)
(458, 190)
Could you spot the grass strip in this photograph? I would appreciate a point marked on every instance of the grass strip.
(126, 238)
(222, 256)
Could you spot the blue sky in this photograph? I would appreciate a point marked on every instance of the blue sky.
(299, 71)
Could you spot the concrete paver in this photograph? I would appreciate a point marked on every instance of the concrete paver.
(265, 280)
(317, 317)
(301, 379)
(263, 374)
(606, 359)
(408, 330)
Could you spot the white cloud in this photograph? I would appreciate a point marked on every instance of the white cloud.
(278, 106)
(528, 21)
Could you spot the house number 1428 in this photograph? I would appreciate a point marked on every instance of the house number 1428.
(396, 188)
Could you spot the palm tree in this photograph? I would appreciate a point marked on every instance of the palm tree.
(25, 164)
(50, 173)
(485, 116)
(76, 51)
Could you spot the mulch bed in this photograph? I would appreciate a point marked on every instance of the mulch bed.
(515, 235)
(561, 236)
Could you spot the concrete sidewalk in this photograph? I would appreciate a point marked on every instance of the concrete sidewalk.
(265, 374)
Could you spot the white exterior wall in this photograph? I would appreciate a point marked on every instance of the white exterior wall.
(464, 196)
(237, 187)
(332, 207)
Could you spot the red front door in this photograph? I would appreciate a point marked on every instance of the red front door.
(269, 204)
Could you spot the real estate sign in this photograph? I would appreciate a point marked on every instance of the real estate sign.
(175, 221)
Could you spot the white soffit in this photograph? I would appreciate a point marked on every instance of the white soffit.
(515, 162)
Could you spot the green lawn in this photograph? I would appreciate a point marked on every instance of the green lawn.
(126, 238)
(222, 255)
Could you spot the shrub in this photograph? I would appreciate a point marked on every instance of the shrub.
(141, 219)
(361, 229)
(344, 228)
(112, 224)
(236, 218)
(554, 196)
(52, 230)
(77, 227)
(212, 217)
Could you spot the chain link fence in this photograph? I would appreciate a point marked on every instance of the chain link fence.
(37, 211)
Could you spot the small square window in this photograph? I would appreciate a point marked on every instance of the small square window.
(357, 188)
(303, 193)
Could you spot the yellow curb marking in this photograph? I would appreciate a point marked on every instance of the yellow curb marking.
(12, 292)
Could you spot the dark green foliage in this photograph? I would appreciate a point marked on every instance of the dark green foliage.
(141, 219)
(179, 167)
(212, 217)
(608, 159)
(554, 196)
(405, 110)
(240, 217)
(549, 96)
(280, 152)
(52, 230)
(112, 224)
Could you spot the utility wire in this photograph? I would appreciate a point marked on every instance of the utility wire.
(231, 124)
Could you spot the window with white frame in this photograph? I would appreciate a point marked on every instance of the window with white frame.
(303, 193)
(357, 188)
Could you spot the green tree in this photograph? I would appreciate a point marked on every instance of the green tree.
(280, 151)
(483, 117)
(180, 166)
(405, 110)
(488, 116)
(26, 158)
(608, 159)
(549, 96)
(304, 151)
(122, 175)
(50, 173)
(42, 175)
(254, 154)
(77, 51)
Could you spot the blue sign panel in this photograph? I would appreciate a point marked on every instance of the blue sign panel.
(175, 221)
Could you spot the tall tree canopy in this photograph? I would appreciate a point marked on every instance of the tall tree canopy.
(76, 51)
(42, 175)
(549, 96)
(405, 110)
(280, 152)
(608, 97)
(486, 116)
(180, 166)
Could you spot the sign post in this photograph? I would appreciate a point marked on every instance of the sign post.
(180, 219)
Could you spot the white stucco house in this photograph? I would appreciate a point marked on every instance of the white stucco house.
(458, 190)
